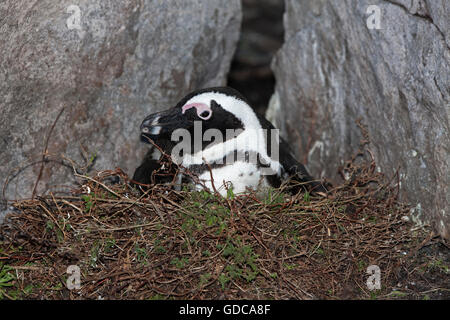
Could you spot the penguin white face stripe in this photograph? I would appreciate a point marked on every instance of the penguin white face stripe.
(233, 105)
(253, 137)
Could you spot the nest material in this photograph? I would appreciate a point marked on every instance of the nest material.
(197, 245)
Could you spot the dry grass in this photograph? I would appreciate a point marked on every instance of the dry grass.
(196, 245)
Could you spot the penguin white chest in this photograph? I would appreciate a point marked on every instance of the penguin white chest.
(239, 175)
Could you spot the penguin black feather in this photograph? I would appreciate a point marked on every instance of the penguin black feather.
(222, 109)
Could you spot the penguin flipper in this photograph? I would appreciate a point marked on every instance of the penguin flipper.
(297, 172)
(293, 170)
(151, 171)
(143, 173)
(301, 179)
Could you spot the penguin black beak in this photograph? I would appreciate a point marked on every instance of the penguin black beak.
(162, 124)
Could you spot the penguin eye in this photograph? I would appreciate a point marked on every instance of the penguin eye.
(205, 115)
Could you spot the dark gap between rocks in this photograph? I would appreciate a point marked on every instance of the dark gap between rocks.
(262, 34)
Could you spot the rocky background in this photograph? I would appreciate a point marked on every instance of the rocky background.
(338, 65)
(77, 77)
(85, 73)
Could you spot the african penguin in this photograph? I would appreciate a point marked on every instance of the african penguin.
(214, 132)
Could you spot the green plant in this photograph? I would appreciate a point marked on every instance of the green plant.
(88, 203)
(6, 279)
(398, 294)
(274, 197)
(109, 245)
(50, 227)
(241, 262)
(306, 197)
(94, 254)
(230, 193)
(204, 278)
(142, 254)
(179, 263)
(290, 266)
(439, 265)
(223, 280)
(158, 247)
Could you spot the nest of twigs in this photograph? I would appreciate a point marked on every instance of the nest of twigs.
(197, 245)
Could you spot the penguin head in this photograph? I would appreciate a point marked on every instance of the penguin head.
(218, 108)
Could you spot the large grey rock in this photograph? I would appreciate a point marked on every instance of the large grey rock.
(108, 64)
(333, 70)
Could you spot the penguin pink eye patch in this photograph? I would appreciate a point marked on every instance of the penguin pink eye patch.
(201, 109)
